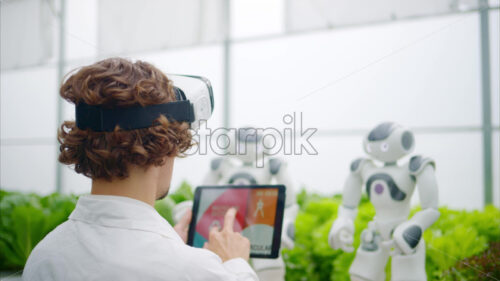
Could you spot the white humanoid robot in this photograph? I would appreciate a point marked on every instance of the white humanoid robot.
(241, 169)
(390, 188)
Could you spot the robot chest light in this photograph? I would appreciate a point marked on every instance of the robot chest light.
(373, 184)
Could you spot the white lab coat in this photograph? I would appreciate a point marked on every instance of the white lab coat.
(119, 238)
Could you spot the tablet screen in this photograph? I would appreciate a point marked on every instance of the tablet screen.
(259, 215)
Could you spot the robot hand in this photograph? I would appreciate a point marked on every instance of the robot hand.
(370, 239)
(342, 234)
(407, 236)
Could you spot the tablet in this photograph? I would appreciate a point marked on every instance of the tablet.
(259, 215)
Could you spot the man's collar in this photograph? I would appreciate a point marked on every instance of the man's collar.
(122, 212)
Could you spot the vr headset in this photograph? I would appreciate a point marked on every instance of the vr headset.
(194, 104)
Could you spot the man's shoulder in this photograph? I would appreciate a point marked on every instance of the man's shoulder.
(56, 239)
(53, 243)
(123, 252)
(48, 254)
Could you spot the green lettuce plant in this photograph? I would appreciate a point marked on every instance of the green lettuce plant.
(458, 245)
(24, 220)
(183, 193)
(165, 206)
(455, 236)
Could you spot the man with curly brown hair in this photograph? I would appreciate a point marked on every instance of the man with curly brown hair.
(115, 233)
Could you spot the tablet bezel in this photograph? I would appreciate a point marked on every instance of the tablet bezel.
(278, 222)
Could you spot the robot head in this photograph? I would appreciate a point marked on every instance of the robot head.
(389, 142)
(248, 145)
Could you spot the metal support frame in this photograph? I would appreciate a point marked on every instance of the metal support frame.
(486, 102)
(60, 77)
(226, 62)
(486, 127)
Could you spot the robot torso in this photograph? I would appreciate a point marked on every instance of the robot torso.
(389, 189)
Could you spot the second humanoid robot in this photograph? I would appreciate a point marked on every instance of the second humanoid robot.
(389, 187)
(242, 169)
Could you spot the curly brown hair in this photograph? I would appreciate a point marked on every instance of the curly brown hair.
(118, 82)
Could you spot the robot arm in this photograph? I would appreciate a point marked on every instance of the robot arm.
(288, 232)
(279, 172)
(408, 234)
(342, 231)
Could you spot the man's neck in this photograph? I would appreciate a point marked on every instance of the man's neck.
(140, 185)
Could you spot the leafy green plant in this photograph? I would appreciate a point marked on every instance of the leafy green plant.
(484, 266)
(24, 220)
(165, 206)
(455, 236)
(458, 244)
(183, 193)
(459, 234)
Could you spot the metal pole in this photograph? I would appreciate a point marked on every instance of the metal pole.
(286, 20)
(60, 76)
(486, 101)
(227, 64)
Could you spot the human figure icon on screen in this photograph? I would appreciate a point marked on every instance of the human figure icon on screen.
(260, 208)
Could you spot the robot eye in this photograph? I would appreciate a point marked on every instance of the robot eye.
(384, 147)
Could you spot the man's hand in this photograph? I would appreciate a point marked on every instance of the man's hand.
(182, 226)
(226, 243)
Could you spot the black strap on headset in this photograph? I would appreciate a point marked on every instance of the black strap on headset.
(101, 119)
